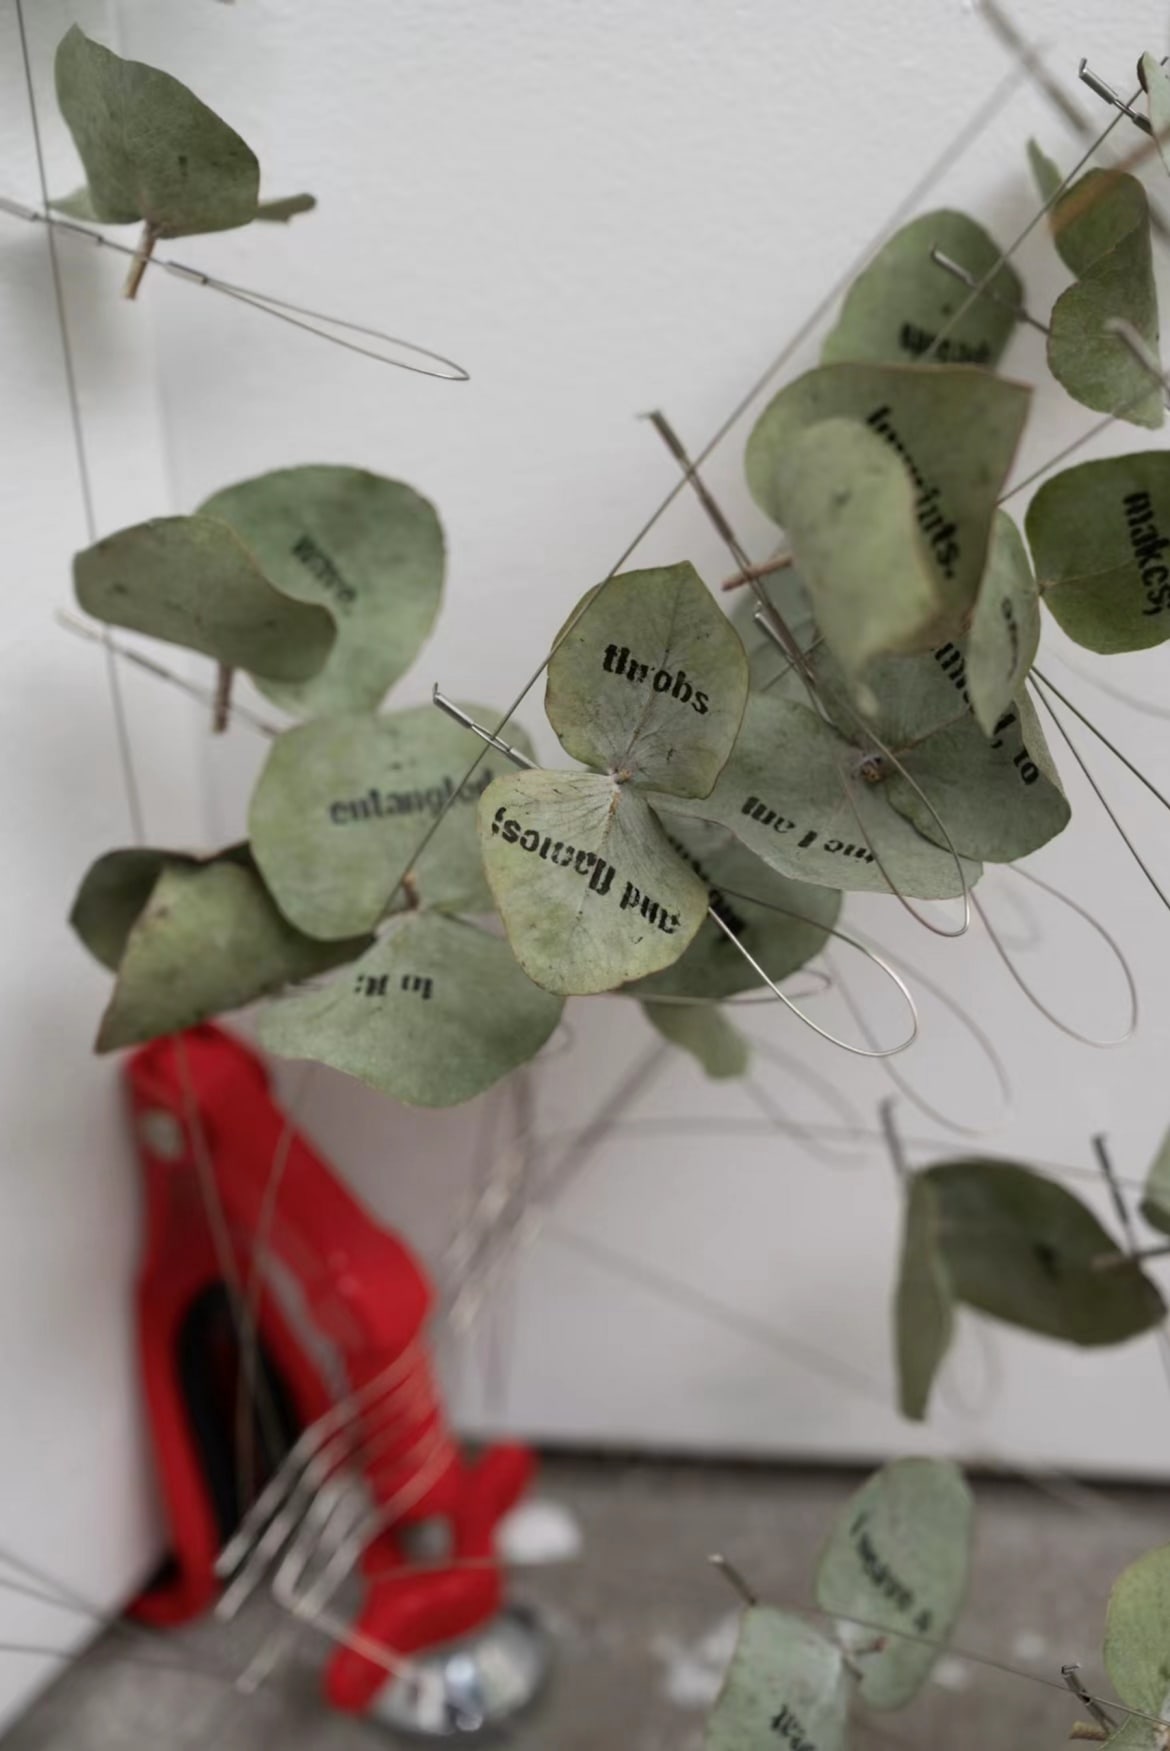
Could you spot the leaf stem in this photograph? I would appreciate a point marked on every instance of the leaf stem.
(754, 573)
(221, 705)
(142, 255)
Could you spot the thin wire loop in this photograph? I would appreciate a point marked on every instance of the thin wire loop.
(824, 1033)
(315, 322)
(971, 1026)
(1036, 1001)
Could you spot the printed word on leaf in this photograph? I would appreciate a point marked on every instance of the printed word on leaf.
(367, 549)
(901, 306)
(649, 681)
(793, 794)
(435, 1012)
(781, 923)
(897, 1561)
(342, 803)
(954, 432)
(590, 889)
(1100, 540)
(786, 1689)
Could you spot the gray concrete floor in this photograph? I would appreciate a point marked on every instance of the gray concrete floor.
(643, 1624)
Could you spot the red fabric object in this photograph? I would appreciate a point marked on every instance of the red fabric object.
(342, 1307)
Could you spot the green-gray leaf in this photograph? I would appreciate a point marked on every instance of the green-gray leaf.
(1045, 172)
(848, 505)
(1100, 536)
(591, 892)
(432, 1014)
(704, 1032)
(781, 923)
(783, 795)
(1102, 228)
(150, 148)
(1155, 1205)
(1137, 1647)
(954, 427)
(286, 207)
(370, 550)
(1157, 88)
(343, 802)
(897, 1559)
(786, 1687)
(1023, 1249)
(900, 303)
(1005, 627)
(208, 939)
(924, 1301)
(112, 894)
(997, 799)
(191, 581)
(78, 205)
(650, 681)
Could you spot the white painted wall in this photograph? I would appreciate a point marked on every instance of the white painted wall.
(603, 209)
(75, 1494)
(600, 209)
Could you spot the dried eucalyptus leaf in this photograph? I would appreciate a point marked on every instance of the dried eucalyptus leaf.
(848, 506)
(705, 1033)
(78, 205)
(287, 207)
(786, 1687)
(954, 427)
(432, 1014)
(209, 939)
(898, 306)
(781, 923)
(151, 150)
(998, 799)
(1155, 1205)
(191, 581)
(898, 1558)
(782, 794)
(591, 892)
(924, 1316)
(1023, 1249)
(1100, 535)
(370, 550)
(112, 894)
(342, 803)
(1045, 172)
(1137, 1646)
(1156, 85)
(650, 683)
(1102, 228)
(1005, 627)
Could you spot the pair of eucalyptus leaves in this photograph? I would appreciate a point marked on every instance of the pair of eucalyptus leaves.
(893, 1575)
